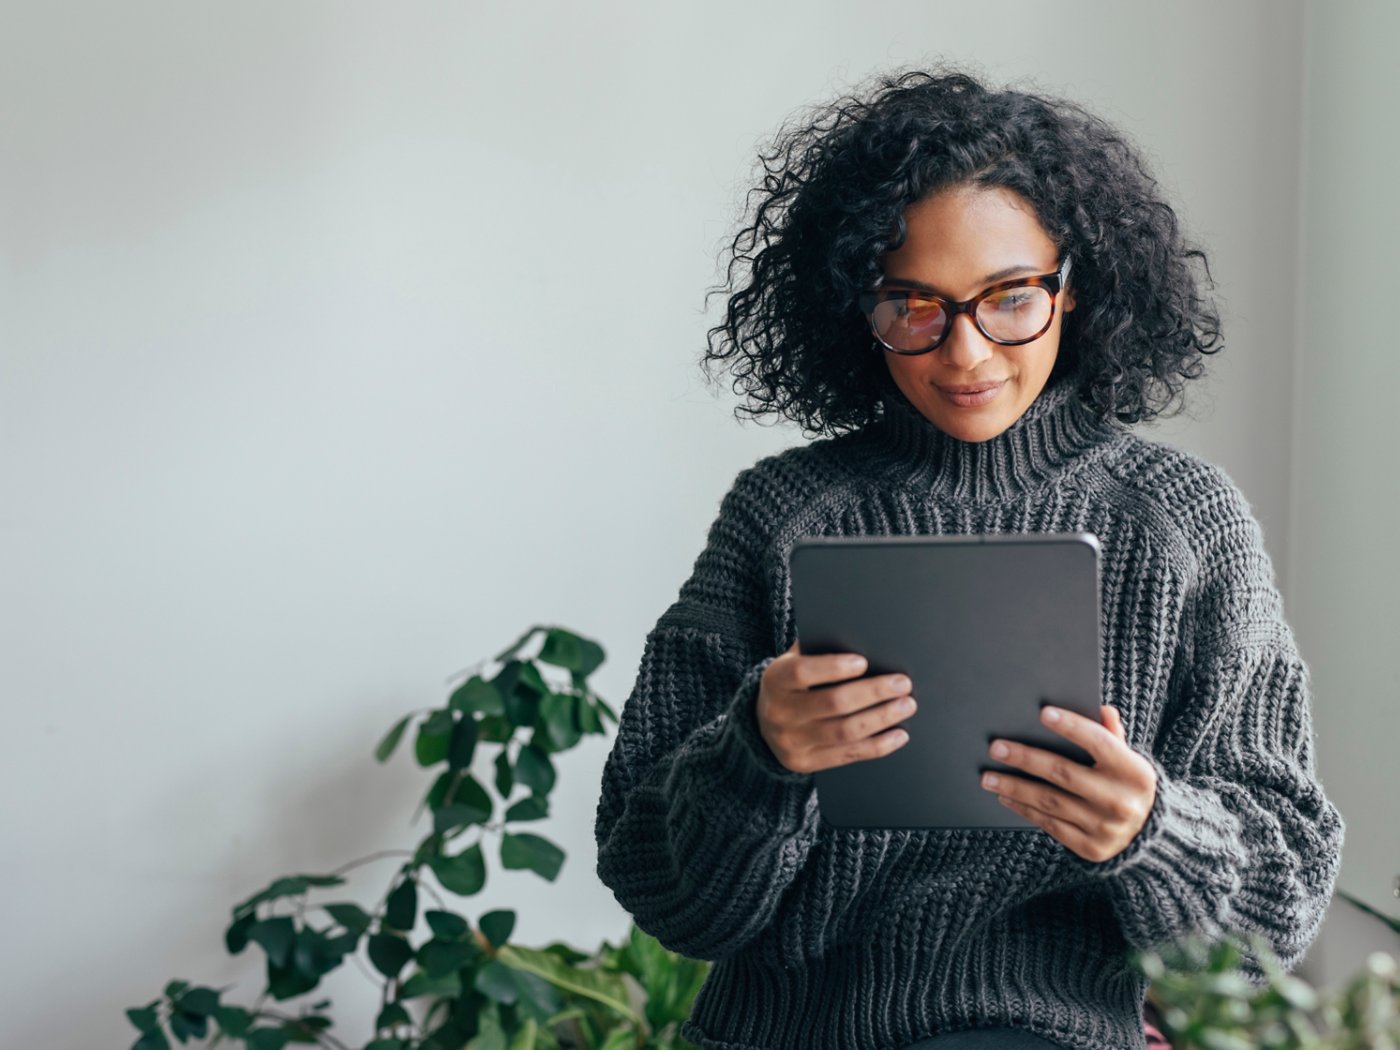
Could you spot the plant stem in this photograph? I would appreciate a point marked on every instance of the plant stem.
(322, 1038)
(373, 856)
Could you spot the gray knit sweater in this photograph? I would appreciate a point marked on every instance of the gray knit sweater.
(828, 937)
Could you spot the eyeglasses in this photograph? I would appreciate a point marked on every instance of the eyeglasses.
(1010, 312)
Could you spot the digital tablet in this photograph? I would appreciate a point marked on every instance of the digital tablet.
(989, 628)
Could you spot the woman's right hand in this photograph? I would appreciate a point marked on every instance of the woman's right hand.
(810, 724)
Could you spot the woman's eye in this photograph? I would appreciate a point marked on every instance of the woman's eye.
(1013, 301)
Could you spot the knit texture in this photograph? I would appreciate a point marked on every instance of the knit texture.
(829, 937)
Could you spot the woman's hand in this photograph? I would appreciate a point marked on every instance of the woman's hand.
(1094, 810)
(814, 713)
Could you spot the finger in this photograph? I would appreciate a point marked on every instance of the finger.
(847, 698)
(1043, 798)
(1087, 846)
(857, 726)
(856, 751)
(1094, 737)
(1114, 721)
(821, 669)
(1096, 785)
(1071, 835)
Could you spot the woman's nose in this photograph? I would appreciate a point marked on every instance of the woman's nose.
(966, 346)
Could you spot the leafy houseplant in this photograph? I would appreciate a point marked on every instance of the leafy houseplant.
(470, 987)
(1207, 1003)
(469, 984)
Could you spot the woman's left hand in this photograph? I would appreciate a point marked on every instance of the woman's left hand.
(1094, 810)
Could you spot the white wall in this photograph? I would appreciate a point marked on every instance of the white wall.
(1344, 567)
(275, 462)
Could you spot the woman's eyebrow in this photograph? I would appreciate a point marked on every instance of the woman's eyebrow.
(991, 278)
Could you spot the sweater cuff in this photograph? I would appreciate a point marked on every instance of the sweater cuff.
(755, 771)
(1189, 837)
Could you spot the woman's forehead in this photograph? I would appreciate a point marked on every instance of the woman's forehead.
(957, 243)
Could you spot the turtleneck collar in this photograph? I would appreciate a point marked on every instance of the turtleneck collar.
(1055, 433)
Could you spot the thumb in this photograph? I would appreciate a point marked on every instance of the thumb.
(1113, 721)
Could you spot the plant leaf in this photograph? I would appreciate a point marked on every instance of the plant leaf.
(520, 684)
(463, 874)
(434, 738)
(523, 850)
(1390, 920)
(497, 926)
(534, 769)
(505, 776)
(525, 1036)
(447, 925)
(495, 981)
(419, 983)
(477, 696)
(532, 807)
(350, 916)
(201, 1001)
(401, 907)
(389, 953)
(605, 708)
(184, 1025)
(315, 954)
(519, 643)
(558, 721)
(470, 805)
(392, 1014)
(236, 936)
(538, 998)
(573, 652)
(233, 1020)
(391, 739)
(494, 729)
(145, 1019)
(276, 936)
(463, 745)
(609, 989)
(267, 1039)
(588, 719)
(287, 886)
(440, 957)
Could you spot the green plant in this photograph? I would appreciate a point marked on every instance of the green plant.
(467, 984)
(1375, 913)
(1207, 1003)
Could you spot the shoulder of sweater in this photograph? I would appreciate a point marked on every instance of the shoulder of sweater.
(1213, 519)
(785, 484)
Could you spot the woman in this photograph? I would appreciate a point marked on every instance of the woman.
(968, 295)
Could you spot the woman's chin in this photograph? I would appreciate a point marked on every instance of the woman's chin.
(970, 425)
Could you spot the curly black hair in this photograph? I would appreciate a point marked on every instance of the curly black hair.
(836, 183)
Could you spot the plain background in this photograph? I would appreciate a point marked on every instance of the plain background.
(282, 451)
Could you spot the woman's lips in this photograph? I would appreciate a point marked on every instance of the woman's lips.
(982, 397)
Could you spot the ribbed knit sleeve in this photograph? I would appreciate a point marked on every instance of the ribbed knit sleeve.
(699, 827)
(1241, 836)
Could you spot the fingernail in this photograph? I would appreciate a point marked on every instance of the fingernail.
(990, 780)
(1052, 714)
(1000, 750)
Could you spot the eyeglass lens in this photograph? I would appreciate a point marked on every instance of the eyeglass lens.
(911, 323)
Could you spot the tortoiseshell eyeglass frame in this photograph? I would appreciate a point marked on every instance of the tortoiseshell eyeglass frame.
(1054, 282)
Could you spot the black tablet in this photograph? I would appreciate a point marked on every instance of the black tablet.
(989, 628)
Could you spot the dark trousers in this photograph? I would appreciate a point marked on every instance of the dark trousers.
(986, 1039)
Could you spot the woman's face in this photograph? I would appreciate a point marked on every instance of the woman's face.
(958, 239)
